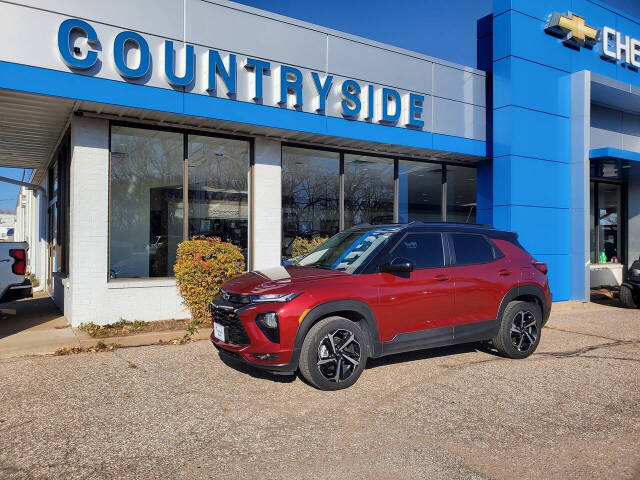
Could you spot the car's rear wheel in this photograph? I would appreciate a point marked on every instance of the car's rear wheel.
(334, 354)
(626, 297)
(520, 327)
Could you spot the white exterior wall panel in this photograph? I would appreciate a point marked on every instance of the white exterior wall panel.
(93, 298)
(247, 32)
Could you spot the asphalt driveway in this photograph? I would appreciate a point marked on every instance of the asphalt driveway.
(570, 411)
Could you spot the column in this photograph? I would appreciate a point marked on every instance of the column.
(266, 204)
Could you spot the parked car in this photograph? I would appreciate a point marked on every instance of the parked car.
(374, 291)
(13, 268)
(630, 289)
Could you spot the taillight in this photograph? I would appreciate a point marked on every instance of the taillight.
(540, 266)
(19, 260)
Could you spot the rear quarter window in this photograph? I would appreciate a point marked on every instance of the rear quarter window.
(470, 249)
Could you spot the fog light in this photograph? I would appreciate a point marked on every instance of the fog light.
(268, 324)
(265, 356)
(269, 319)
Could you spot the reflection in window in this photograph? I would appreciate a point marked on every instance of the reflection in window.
(146, 212)
(461, 194)
(310, 195)
(218, 189)
(423, 249)
(471, 249)
(419, 192)
(368, 190)
(608, 229)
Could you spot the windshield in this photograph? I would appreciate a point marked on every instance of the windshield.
(347, 250)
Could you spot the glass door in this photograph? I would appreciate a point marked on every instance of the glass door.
(607, 228)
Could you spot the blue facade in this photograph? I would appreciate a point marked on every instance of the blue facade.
(531, 174)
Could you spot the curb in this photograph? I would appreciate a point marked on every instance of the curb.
(140, 339)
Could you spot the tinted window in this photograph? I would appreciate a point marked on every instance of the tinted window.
(423, 249)
(471, 249)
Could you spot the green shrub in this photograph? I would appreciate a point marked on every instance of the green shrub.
(302, 246)
(203, 264)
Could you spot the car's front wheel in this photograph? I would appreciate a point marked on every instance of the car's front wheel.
(520, 327)
(334, 354)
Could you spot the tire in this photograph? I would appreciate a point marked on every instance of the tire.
(337, 365)
(520, 328)
(626, 297)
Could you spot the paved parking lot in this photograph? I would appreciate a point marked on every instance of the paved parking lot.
(570, 411)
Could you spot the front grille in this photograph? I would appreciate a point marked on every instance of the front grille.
(227, 317)
(236, 299)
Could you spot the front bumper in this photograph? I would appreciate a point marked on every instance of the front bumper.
(278, 368)
(247, 343)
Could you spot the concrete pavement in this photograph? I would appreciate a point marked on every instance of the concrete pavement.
(572, 410)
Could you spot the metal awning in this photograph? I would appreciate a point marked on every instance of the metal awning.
(31, 126)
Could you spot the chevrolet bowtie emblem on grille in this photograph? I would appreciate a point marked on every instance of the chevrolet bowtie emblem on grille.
(572, 28)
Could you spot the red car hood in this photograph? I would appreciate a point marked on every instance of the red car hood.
(263, 281)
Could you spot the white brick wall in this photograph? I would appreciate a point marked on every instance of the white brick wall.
(267, 204)
(91, 297)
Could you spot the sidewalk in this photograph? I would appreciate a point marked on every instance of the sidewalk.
(35, 326)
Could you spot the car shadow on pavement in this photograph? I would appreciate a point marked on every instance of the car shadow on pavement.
(371, 362)
(427, 353)
(255, 372)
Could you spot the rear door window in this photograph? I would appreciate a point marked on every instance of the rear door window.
(423, 249)
(471, 249)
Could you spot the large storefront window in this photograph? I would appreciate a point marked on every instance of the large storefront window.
(218, 189)
(324, 192)
(419, 191)
(368, 190)
(461, 194)
(147, 216)
(310, 194)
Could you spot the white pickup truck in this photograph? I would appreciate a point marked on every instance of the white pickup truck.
(13, 267)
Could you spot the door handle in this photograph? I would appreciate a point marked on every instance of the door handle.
(441, 278)
(504, 272)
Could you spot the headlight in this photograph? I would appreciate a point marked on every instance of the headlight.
(273, 297)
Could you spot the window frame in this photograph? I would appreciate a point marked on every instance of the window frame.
(396, 159)
(390, 256)
(452, 250)
(185, 132)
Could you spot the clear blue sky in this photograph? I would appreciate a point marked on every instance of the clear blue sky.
(440, 28)
(443, 29)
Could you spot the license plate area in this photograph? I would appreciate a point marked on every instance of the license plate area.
(220, 332)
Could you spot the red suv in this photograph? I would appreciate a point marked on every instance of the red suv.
(371, 291)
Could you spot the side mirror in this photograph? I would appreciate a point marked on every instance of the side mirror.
(398, 265)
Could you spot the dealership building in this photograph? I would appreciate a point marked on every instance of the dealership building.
(147, 123)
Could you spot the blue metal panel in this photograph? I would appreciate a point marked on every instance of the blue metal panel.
(516, 83)
(543, 231)
(529, 181)
(525, 38)
(529, 133)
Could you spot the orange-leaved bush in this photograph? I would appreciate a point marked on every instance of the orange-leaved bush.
(302, 246)
(203, 264)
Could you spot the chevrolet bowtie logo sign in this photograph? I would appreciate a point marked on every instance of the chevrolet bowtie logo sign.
(572, 28)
